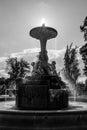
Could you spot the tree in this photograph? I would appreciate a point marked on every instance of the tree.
(83, 49)
(17, 68)
(67, 59)
(71, 64)
(83, 28)
(2, 85)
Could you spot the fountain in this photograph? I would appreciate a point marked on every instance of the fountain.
(42, 100)
(44, 90)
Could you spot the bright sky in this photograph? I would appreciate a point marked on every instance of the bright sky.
(17, 17)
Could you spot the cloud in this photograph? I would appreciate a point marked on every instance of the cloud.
(33, 52)
(31, 55)
(2, 59)
(3, 73)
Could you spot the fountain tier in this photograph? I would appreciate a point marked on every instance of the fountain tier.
(43, 34)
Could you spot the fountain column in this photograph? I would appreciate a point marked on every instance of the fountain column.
(36, 93)
(43, 33)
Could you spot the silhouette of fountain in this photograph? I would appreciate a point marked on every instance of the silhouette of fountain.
(44, 89)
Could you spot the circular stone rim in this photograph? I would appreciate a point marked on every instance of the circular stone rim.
(37, 32)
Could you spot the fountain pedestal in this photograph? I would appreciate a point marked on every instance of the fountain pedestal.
(32, 95)
(39, 95)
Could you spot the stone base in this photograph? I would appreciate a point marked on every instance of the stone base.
(32, 97)
(37, 95)
(43, 120)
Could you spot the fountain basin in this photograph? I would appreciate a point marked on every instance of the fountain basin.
(72, 118)
(40, 95)
(43, 32)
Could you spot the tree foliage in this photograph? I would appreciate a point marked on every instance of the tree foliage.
(83, 49)
(71, 63)
(17, 68)
(83, 28)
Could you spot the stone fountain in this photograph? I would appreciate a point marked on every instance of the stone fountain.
(44, 90)
(43, 94)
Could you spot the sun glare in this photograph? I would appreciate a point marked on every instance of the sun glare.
(43, 21)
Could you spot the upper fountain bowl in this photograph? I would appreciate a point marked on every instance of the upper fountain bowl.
(43, 32)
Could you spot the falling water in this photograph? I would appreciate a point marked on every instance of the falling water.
(70, 84)
(55, 44)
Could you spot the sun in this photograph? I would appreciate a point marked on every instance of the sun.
(43, 21)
